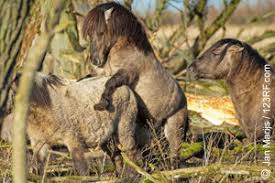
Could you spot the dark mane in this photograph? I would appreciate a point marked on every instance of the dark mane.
(122, 23)
(248, 53)
(40, 93)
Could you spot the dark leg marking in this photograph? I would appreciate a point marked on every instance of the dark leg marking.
(122, 77)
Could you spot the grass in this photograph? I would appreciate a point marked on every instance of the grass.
(205, 156)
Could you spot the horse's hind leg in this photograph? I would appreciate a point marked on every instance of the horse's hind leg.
(115, 156)
(174, 130)
(127, 127)
(77, 152)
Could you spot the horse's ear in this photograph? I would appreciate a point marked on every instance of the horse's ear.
(235, 48)
(219, 50)
(107, 14)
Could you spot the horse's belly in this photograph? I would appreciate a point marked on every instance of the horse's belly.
(98, 131)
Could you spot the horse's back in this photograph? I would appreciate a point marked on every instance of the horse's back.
(75, 104)
(91, 89)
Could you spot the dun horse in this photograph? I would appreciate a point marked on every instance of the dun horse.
(61, 112)
(251, 82)
(120, 47)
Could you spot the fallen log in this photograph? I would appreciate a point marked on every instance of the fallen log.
(216, 110)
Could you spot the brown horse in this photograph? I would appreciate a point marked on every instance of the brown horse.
(61, 112)
(251, 82)
(120, 46)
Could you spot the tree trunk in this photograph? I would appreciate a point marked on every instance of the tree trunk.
(13, 18)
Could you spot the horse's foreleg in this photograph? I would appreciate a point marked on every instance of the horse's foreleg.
(174, 131)
(122, 77)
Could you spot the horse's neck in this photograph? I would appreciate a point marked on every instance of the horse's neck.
(246, 77)
(245, 83)
(245, 88)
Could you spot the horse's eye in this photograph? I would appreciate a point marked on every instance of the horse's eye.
(215, 54)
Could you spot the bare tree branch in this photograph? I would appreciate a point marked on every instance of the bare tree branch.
(154, 22)
(128, 4)
(254, 20)
(265, 35)
(188, 16)
(219, 22)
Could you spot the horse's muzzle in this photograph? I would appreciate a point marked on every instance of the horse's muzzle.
(192, 73)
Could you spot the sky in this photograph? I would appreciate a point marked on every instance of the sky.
(143, 6)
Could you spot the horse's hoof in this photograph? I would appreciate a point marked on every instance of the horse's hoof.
(99, 107)
(102, 105)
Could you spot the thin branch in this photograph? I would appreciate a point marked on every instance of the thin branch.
(265, 35)
(138, 169)
(255, 20)
(219, 22)
(128, 4)
(154, 22)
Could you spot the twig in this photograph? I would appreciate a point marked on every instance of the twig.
(265, 35)
(138, 169)
(219, 22)
(84, 178)
(128, 4)
(45, 168)
(255, 20)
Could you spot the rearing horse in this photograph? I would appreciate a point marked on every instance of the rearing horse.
(119, 45)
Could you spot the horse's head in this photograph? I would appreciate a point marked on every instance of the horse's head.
(218, 61)
(108, 22)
